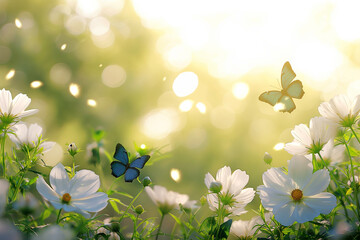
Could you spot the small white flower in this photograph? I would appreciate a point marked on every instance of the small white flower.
(4, 188)
(54, 232)
(334, 154)
(232, 190)
(24, 135)
(166, 200)
(14, 109)
(341, 109)
(296, 196)
(246, 229)
(311, 140)
(26, 204)
(78, 194)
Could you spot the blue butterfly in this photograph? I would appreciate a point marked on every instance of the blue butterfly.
(123, 166)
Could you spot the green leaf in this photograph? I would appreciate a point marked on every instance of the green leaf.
(208, 225)
(224, 230)
(114, 206)
(45, 214)
(349, 191)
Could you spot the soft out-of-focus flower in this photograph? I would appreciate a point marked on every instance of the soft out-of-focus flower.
(78, 194)
(14, 109)
(30, 136)
(8, 231)
(114, 226)
(341, 109)
(54, 232)
(166, 200)
(4, 188)
(331, 153)
(246, 229)
(341, 230)
(296, 196)
(308, 140)
(232, 191)
(27, 204)
(267, 158)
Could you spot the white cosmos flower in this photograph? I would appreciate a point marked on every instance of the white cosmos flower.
(334, 154)
(341, 109)
(233, 195)
(297, 196)
(14, 109)
(78, 194)
(54, 232)
(166, 200)
(246, 229)
(24, 135)
(311, 139)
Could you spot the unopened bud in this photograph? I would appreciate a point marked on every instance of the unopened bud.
(215, 187)
(139, 210)
(203, 200)
(146, 181)
(267, 158)
(72, 149)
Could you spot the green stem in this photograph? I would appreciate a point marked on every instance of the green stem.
(357, 138)
(73, 165)
(18, 186)
(161, 221)
(135, 227)
(354, 181)
(130, 204)
(3, 152)
(174, 227)
(58, 216)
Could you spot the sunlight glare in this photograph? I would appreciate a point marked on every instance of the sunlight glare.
(186, 105)
(10, 74)
(240, 90)
(36, 84)
(142, 146)
(175, 174)
(88, 8)
(279, 106)
(91, 102)
(74, 89)
(279, 146)
(344, 16)
(201, 107)
(63, 47)
(185, 84)
(18, 23)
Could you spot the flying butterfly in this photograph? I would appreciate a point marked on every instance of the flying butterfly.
(122, 166)
(283, 100)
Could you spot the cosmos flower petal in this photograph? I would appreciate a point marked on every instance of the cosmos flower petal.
(59, 179)
(34, 132)
(46, 146)
(276, 179)
(271, 199)
(301, 133)
(93, 203)
(5, 101)
(286, 214)
(318, 182)
(28, 113)
(19, 103)
(46, 191)
(222, 176)
(84, 183)
(300, 170)
(208, 179)
(238, 180)
(323, 202)
(296, 148)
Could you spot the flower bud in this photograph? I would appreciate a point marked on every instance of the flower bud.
(72, 149)
(203, 200)
(139, 210)
(146, 181)
(215, 187)
(267, 158)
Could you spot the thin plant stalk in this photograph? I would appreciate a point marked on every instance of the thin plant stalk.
(131, 203)
(3, 152)
(352, 130)
(58, 216)
(161, 221)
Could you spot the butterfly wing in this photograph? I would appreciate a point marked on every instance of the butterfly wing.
(121, 154)
(117, 168)
(140, 162)
(131, 174)
(286, 104)
(287, 75)
(295, 89)
(271, 97)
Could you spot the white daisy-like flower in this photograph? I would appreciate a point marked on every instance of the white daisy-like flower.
(341, 109)
(247, 229)
(166, 200)
(297, 196)
(14, 109)
(308, 140)
(30, 136)
(331, 153)
(232, 195)
(78, 194)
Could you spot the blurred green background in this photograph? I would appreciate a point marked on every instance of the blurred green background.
(112, 64)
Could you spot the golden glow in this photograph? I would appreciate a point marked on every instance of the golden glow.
(63, 47)
(201, 107)
(36, 84)
(278, 107)
(279, 146)
(344, 16)
(142, 146)
(185, 84)
(99, 26)
(240, 90)
(186, 105)
(222, 117)
(18, 23)
(91, 102)
(74, 89)
(175, 174)
(88, 8)
(10, 74)
(113, 76)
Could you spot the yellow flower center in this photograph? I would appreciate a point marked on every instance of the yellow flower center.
(296, 195)
(66, 198)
